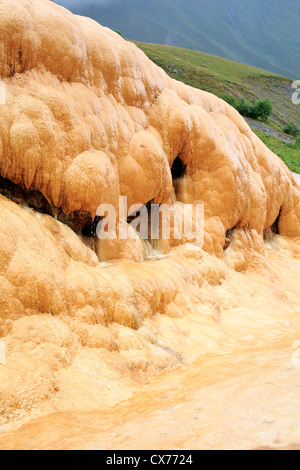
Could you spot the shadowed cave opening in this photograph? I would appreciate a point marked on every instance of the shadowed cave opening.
(274, 229)
(178, 169)
(228, 238)
(275, 226)
(34, 199)
(90, 228)
(178, 172)
(82, 223)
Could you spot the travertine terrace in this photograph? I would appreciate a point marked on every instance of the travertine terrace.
(88, 118)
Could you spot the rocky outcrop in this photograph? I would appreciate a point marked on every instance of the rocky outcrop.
(89, 118)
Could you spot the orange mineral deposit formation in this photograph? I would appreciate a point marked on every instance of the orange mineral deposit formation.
(132, 343)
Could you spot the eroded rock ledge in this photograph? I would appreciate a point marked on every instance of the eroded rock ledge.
(89, 118)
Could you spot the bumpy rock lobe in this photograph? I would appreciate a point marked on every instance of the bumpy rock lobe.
(89, 118)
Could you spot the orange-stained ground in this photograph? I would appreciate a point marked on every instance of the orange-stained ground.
(240, 392)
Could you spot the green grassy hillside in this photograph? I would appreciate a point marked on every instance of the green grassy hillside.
(289, 153)
(220, 76)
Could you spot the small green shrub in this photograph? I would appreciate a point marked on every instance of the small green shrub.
(292, 129)
(244, 108)
(230, 100)
(260, 110)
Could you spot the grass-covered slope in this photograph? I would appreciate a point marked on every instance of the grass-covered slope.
(221, 76)
(288, 152)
